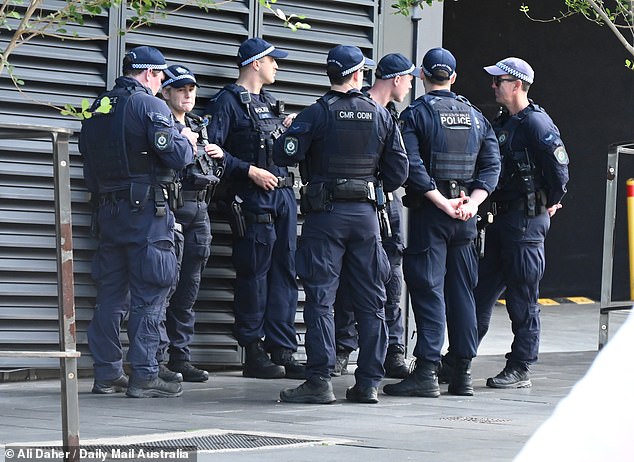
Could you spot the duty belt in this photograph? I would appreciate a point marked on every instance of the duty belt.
(450, 188)
(259, 218)
(503, 207)
(199, 195)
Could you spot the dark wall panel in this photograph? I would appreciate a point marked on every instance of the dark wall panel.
(581, 80)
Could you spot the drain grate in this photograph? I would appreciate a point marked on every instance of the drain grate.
(473, 419)
(230, 441)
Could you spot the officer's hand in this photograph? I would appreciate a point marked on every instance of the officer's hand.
(263, 178)
(288, 120)
(553, 209)
(214, 151)
(190, 135)
(466, 207)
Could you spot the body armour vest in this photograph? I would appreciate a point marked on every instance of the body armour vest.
(252, 139)
(103, 136)
(350, 146)
(518, 166)
(455, 138)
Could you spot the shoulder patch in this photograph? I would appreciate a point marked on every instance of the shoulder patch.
(561, 155)
(161, 140)
(290, 145)
(160, 119)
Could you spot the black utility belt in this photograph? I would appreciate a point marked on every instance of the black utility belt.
(351, 189)
(502, 207)
(128, 194)
(451, 188)
(200, 195)
(259, 218)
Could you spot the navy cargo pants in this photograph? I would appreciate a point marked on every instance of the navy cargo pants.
(134, 268)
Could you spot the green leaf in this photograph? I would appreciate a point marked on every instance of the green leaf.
(85, 104)
(104, 106)
(14, 14)
(524, 9)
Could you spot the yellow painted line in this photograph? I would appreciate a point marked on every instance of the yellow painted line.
(547, 301)
(580, 300)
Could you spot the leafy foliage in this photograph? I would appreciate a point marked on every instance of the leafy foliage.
(404, 6)
(26, 20)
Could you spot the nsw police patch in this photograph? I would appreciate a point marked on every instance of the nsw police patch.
(502, 137)
(290, 145)
(161, 140)
(561, 155)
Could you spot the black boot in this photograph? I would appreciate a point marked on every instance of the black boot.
(258, 364)
(189, 372)
(284, 357)
(154, 388)
(511, 377)
(168, 375)
(395, 366)
(460, 383)
(316, 390)
(107, 387)
(422, 381)
(446, 368)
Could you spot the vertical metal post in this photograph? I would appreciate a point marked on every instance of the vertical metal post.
(66, 296)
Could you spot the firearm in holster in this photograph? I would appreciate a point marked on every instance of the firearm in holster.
(94, 215)
(481, 225)
(381, 211)
(525, 173)
(175, 198)
(239, 225)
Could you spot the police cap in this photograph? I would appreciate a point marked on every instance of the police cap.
(513, 66)
(257, 48)
(439, 64)
(178, 76)
(395, 64)
(343, 60)
(144, 57)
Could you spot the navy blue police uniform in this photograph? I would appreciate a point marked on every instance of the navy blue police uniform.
(534, 176)
(346, 331)
(265, 300)
(451, 148)
(131, 155)
(197, 182)
(343, 143)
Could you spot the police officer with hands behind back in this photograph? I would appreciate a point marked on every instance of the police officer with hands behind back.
(131, 156)
(532, 184)
(198, 180)
(394, 74)
(454, 165)
(245, 120)
(345, 143)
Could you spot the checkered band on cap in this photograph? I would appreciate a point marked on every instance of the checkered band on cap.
(148, 66)
(514, 72)
(395, 74)
(261, 54)
(179, 77)
(353, 69)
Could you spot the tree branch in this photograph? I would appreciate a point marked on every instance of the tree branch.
(612, 26)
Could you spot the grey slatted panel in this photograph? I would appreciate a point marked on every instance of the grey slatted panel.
(55, 72)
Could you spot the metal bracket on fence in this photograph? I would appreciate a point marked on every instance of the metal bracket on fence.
(67, 353)
(607, 304)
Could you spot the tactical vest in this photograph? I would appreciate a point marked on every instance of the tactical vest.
(350, 146)
(518, 167)
(455, 138)
(104, 138)
(253, 142)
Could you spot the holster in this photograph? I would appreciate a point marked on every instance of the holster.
(239, 225)
(313, 197)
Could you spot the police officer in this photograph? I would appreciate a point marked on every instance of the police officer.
(343, 143)
(131, 155)
(245, 120)
(453, 154)
(532, 184)
(394, 74)
(198, 179)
